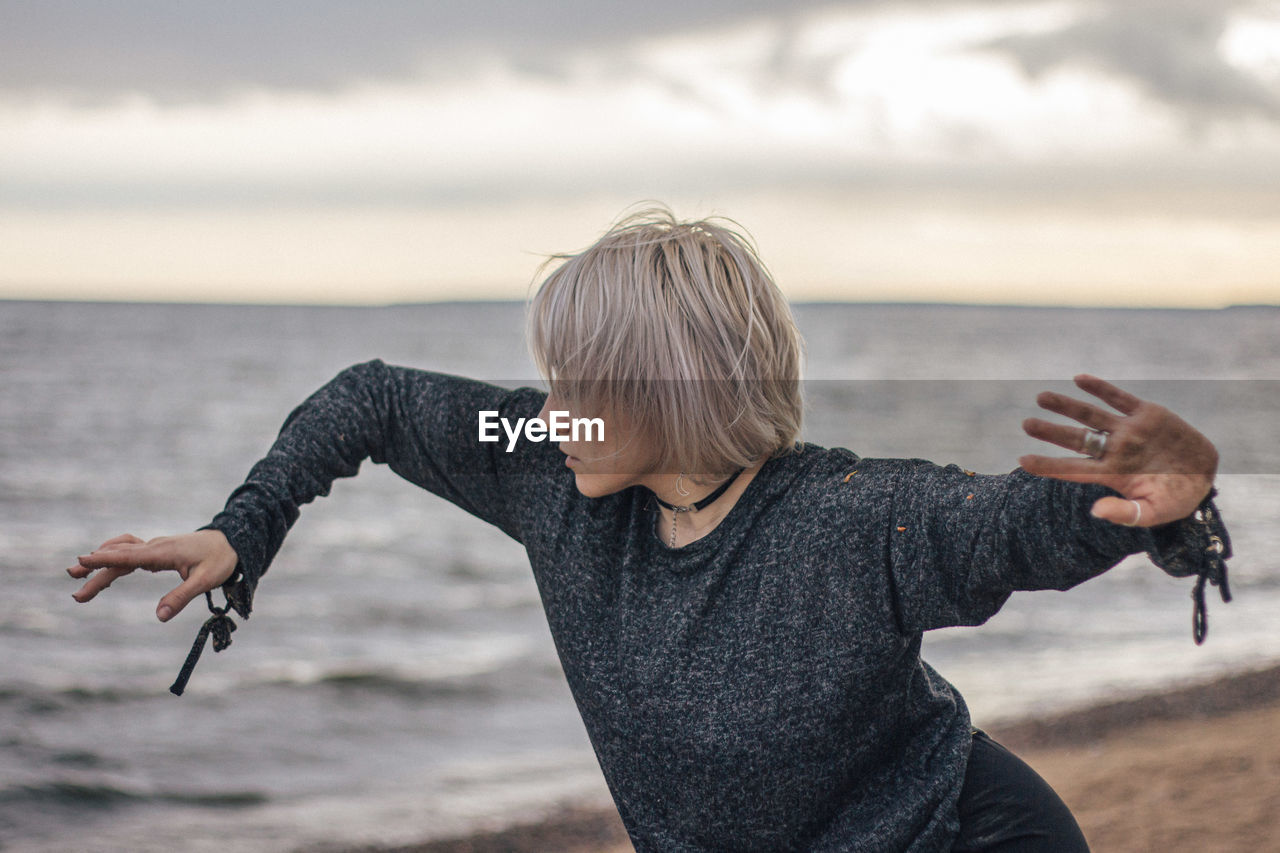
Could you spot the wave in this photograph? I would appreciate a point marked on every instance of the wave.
(453, 667)
(480, 683)
(391, 684)
(37, 699)
(82, 795)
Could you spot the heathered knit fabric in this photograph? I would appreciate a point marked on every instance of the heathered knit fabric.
(760, 689)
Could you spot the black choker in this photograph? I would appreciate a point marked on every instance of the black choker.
(705, 502)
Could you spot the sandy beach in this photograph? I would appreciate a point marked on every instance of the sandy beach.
(1191, 768)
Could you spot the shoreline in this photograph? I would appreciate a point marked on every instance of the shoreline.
(1191, 767)
(1244, 690)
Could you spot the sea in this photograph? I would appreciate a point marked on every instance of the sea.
(397, 681)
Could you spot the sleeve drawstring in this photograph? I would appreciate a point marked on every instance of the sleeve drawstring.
(1212, 569)
(239, 595)
(220, 626)
(1197, 545)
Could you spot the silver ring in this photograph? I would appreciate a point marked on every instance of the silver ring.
(1094, 444)
(1137, 518)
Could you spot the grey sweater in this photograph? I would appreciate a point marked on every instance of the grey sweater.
(760, 688)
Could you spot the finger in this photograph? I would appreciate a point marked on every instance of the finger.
(1059, 468)
(1077, 410)
(178, 598)
(122, 539)
(1067, 437)
(82, 571)
(78, 571)
(115, 557)
(98, 583)
(1121, 401)
(1126, 511)
(152, 556)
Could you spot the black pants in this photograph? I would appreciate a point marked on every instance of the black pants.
(1005, 807)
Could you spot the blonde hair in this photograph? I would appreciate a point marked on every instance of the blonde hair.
(678, 327)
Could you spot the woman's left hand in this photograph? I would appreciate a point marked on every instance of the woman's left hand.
(1161, 464)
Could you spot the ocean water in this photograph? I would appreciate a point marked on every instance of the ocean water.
(397, 679)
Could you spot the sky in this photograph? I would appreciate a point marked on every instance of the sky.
(1082, 152)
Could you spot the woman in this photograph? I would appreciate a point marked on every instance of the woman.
(738, 615)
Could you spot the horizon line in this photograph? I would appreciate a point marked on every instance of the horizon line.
(423, 303)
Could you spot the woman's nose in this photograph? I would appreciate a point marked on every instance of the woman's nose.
(550, 405)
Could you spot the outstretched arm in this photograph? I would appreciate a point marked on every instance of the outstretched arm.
(422, 424)
(965, 541)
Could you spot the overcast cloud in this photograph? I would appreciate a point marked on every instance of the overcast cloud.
(1171, 48)
(182, 52)
(370, 144)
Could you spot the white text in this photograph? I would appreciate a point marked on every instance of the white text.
(560, 427)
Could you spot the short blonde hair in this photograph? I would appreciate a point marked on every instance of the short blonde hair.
(679, 327)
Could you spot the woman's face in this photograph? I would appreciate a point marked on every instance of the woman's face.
(602, 467)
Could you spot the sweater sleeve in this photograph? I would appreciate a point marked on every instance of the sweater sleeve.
(423, 425)
(962, 542)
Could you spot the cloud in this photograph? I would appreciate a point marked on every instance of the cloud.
(183, 51)
(1170, 49)
(195, 50)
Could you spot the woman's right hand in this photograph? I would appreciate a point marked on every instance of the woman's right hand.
(204, 560)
